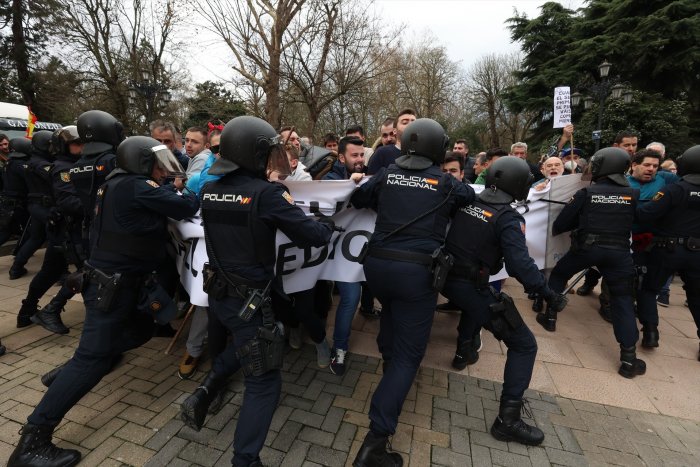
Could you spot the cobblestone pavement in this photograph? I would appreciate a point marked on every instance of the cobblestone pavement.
(130, 418)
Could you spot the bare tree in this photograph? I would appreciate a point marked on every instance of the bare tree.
(257, 32)
(489, 78)
(334, 57)
(110, 42)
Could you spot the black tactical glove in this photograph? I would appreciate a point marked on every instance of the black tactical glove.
(329, 221)
(555, 301)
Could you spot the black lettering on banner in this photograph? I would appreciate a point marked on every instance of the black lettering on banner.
(193, 248)
(283, 258)
(345, 247)
(335, 244)
(308, 262)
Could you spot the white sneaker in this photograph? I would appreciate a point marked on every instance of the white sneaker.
(338, 362)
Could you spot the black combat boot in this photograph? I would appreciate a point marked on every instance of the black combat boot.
(605, 312)
(650, 335)
(49, 318)
(466, 354)
(48, 378)
(508, 426)
(17, 271)
(194, 409)
(35, 449)
(586, 289)
(373, 453)
(631, 365)
(24, 316)
(548, 319)
(2, 349)
(538, 304)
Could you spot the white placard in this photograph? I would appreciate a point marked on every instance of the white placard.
(562, 106)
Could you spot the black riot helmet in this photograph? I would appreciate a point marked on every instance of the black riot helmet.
(99, 131)
(41, 143)
(20, 147)
(425, 137)
(612, 163)
(139, 154)
(689, 165)
(507, 179)
(246, 142)
(61, 138)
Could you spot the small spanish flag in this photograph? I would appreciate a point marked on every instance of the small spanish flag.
(31, 121)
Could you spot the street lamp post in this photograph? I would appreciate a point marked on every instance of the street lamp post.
(155, 94)
(600, 91)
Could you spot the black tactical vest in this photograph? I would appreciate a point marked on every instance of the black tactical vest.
(15, 185)
(406, 194)
(608, 211)
(473, 237)
(113, 244)
(88, 174)
(38, 184)
(235, 234)
(683, 220)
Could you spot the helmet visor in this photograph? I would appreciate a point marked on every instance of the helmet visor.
(278, 167)
(166, 160)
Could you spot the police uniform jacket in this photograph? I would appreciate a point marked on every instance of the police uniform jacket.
(129, 231)
(605, 209)
(485, 235)
(675, 210)
(15, 185)
(399, 195)
(88, 174)
(241, 213)
(38, 179)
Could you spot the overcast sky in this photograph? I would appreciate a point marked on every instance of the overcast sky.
(469, 29)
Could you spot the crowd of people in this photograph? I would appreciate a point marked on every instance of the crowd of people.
(101, 203)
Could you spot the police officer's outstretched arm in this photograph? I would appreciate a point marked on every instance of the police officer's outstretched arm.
(165, 200)
(667, 198)
(365, 196)
(567, 220)
(278, 208)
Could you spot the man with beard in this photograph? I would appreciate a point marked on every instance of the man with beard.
(350, 165)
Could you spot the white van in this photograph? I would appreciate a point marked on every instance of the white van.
(13, 121)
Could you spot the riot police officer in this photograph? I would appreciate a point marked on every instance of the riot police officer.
(100, 133)
(244, 209)
(600, 218)
(401, 247)
(128, 238)
(675, 213)
(39, 203)
(483, 234)
(13, 200)
(63, 232)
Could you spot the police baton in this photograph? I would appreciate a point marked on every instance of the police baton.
(22, 238)
(576, 281)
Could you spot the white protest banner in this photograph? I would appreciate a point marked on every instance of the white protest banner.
(187, 237)
(562, 106)
(300, 268)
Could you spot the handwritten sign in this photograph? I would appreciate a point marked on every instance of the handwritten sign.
(562, 106)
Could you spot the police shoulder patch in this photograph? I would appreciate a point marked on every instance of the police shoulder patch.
(658, 196)
(47, 168)
(153, 184)
(288, 197)
(65, 177)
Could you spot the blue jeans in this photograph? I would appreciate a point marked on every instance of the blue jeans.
(349, 299)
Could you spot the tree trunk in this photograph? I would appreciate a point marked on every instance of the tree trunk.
(21, 57)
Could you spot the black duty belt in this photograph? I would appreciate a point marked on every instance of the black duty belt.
(122, 279)
(471, 271)
(398, 255)
(43, 200)
(670, 241)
